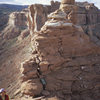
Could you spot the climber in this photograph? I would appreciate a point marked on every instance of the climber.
(3, 95)
(42, 79)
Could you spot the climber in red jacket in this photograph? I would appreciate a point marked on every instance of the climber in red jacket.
(3, 95)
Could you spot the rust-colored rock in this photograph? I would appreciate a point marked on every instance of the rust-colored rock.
(31, 87)
(65, 56)
(28, 70)
(68, 2)
(69, 7)
(65, 48)
(17, 23)
(36, 17)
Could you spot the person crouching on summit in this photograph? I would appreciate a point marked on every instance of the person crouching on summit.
(3, 95)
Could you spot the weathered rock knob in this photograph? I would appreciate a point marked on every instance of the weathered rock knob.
(68, 2)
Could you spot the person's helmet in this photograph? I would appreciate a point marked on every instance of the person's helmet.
(2, 90)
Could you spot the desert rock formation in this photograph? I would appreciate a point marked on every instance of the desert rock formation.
(64, 45)
(72, 2)
(38, 14)
(13, 52)
(88, 16)
(90, 20)
(67, 58)
(5, 10)
(16, 24)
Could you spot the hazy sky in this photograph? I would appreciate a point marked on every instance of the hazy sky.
(25, 2)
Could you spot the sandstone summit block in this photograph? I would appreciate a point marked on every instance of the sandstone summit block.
(68, 2)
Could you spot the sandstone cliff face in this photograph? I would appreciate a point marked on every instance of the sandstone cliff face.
(65, 55)
(37, 17)
(38, 14)
(63, 48)
(5, 10)
(13, 52)
(88, 18)
(17, 23)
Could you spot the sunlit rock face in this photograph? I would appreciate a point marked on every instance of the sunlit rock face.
(88, 18)
(65, 56)
(68, 2)
(17, 18)
(84, 14)
(38, 14)
(37, 17)
(17, 22)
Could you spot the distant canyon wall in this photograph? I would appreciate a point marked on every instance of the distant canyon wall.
(89, 19)
(17, 23)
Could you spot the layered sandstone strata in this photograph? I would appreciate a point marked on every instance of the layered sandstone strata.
(84, 14)
(67, 59)
(37, 17)
(17, 23)
(38, 14)
(68, 2)
(69, 7)
(88, 18)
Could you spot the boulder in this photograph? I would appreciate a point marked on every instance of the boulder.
(31, 87)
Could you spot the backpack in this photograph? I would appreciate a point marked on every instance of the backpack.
(6, 97)
(0, 98)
